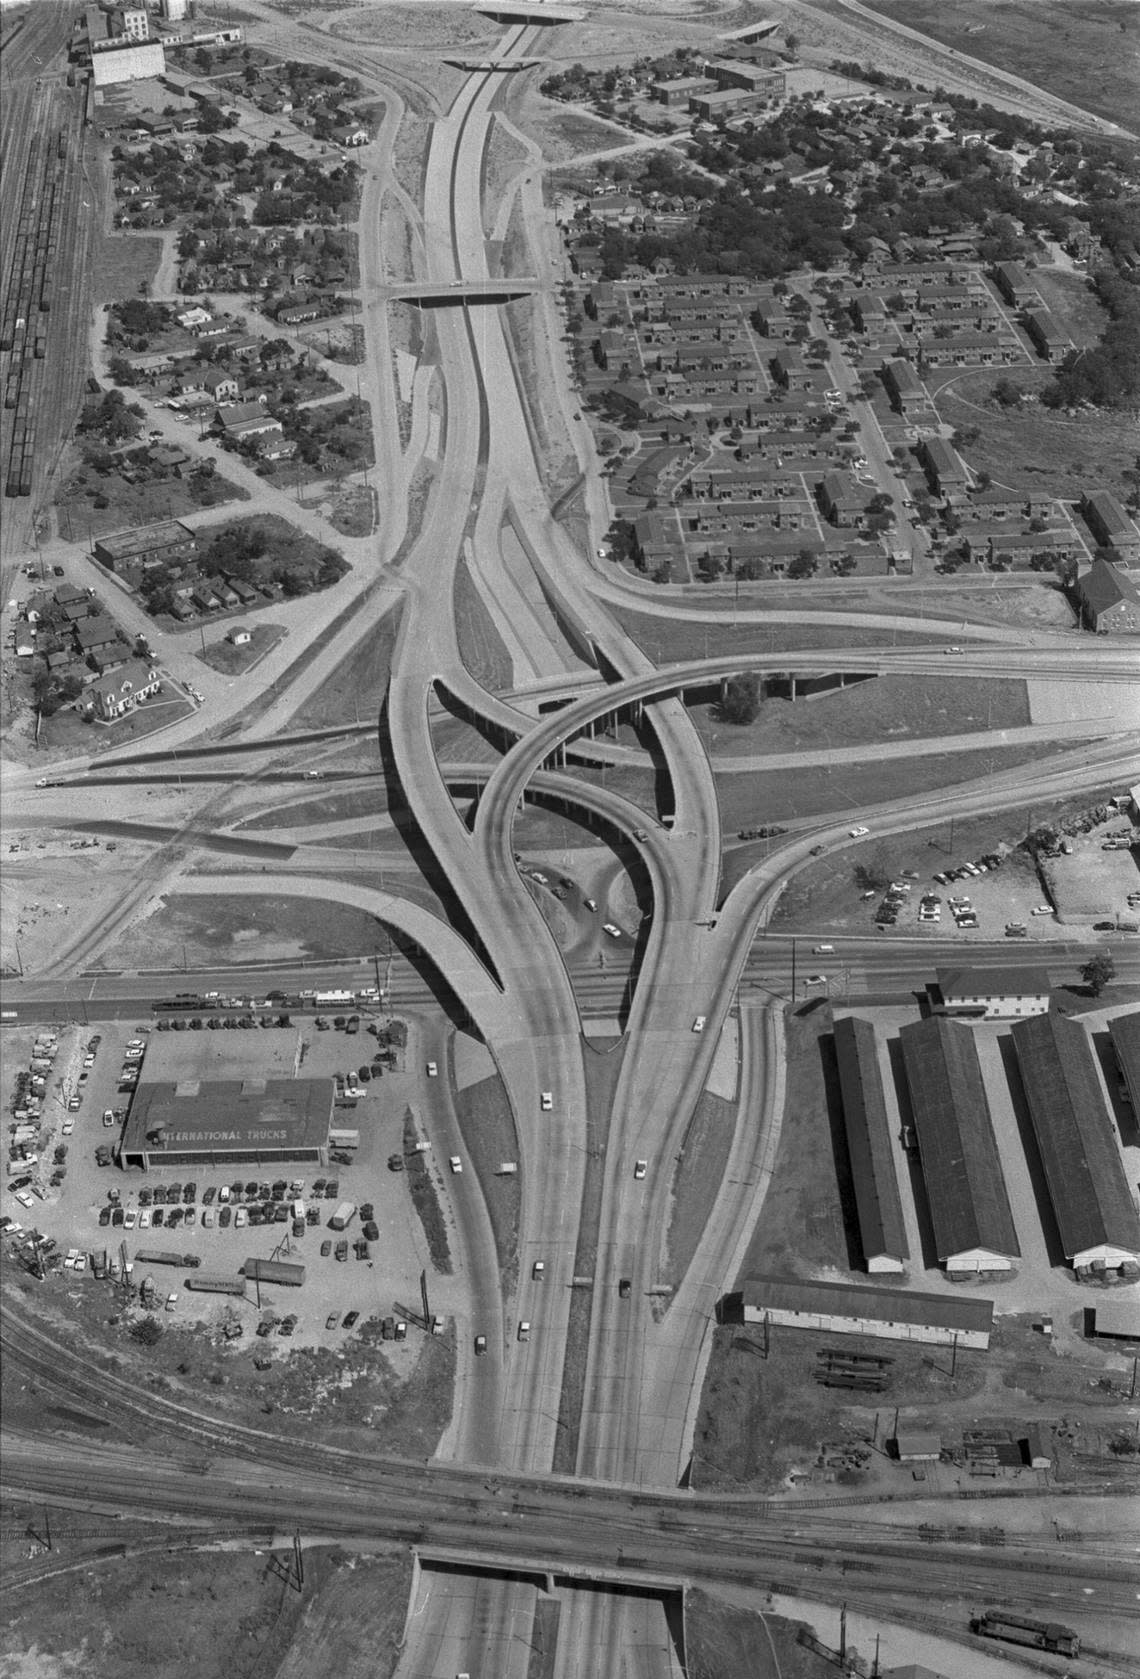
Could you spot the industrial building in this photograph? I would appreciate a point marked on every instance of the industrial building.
(855, 1309)
(132, 62)
(1097, 1221)
(994, 993)
(1124, 1030)
(226, 1122)
(167, 540)
(882, 1231)
(961, 1168)
(1117, 1320)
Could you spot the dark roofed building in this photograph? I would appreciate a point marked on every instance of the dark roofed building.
(894, 1314)
(1109, 600)
(228, 1121)
(1083, 1168)
(867, 1124)
(1108, 522)
(945, 471)
(1124, 1030)
(167, 540)
(961, 1168)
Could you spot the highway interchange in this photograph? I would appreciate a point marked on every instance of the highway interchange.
(632, 1399)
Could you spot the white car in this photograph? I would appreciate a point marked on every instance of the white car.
(614, 932)
(953, 649)
(640, 1169)
(241, 1218)
(857, 833)
(455, 1163)
(144, 1219)
(24, 1197)
(547, 1101)
(1042, 909)
(824, 949)
(538, 1270)
(699, 1023)
(130, 1218)
(432, 1070)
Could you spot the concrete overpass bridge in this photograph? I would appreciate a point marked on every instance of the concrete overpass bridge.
(435, 294)
(478, 65)
(537, 13)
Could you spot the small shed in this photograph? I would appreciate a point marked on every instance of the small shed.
(1036, 1448)
(239, 636)
(917, 1447)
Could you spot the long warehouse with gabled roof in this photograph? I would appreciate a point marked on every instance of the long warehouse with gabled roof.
(961, 1168)
(882, 1231)
(1095, 1216)
(1124, 1030)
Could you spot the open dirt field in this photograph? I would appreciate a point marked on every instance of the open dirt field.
(201, 931)
(724, 1642)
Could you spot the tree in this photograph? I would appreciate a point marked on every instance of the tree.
(741, 700)
(805, 564)
(1098, 972)
(1006, 394)
(147, 1332)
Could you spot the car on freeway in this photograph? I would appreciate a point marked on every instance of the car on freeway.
(455, 1163)
(953, 650)
(640, 1169)
(816, 979)
(547, 1101)
(524, 1330)
(480, 1345)
(823, 949)
(857, 833)
(699, 1023)
(432, 1070)
(624, 1288)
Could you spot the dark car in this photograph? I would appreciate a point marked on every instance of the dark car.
(224, 1216)
(208, 1195)
(174, 1216)
(351, 1319)
(312, 1215)
(158, 1217)
(58, 571)
(367, 1211)
(144, 1196)
(190, 1193)
(395, 1163)
(117, 1216)
(174, 1191)
(288, 1325)
(196, 1023)
(104, 1215)
(326, 1249)
(332, 1189)
(624, 1288)
(362, 1250)
(365, 1075)
(342, 1252)
(280, 1213)
(319, 1186)
(164, 1024)
(371, 1232)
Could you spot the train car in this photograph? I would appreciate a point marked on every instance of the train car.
(45, 297)
(40, 348)
(1020, 1629)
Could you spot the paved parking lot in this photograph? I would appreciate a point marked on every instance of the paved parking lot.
(372, 1287)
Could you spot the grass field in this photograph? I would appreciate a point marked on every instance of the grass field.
(425, 1197)
(1038, 450)
(488, 1130)
(480, 644)
(670, 641)
(724, 1641)
(885, 708)
(123, 263)
(232, 661)
(749, 801)
(698, 1178)
(78, 518)
(1072, 302)
(357, 688)
(1081, 50)
(325, 807)
(201, 930)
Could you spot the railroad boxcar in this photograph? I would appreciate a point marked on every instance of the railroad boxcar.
(1020, 1629)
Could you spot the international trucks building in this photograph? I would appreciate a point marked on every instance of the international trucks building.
(229, 1122)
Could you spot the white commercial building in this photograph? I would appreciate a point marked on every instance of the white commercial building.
(136, 63)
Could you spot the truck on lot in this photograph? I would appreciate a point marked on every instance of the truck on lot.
(343, 1216)
(165, 1256)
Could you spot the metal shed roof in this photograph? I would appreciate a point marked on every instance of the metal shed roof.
(881, 1226)
(1082, 1163)
(960, 1162)
(884, 1305)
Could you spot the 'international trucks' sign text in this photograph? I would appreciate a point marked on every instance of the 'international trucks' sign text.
(249, 1138)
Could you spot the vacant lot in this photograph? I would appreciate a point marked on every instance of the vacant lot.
(200, 930)
(1072, 301)
(1037, 451)
(724, 1641)
(123, 264)
(357, 688)
(79, 515)
(697, 1180)
(1081, 50)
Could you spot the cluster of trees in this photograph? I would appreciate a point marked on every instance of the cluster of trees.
(1108, 375)
(49, 691)
(112, 419)
(742, 697)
